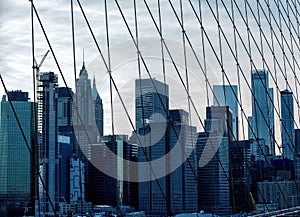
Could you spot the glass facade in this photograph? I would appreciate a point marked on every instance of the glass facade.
(287, 128)
(16, 180)
(262, 109)
(151, 108)
(226, 95)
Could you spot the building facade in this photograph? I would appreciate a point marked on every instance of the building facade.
(49, 149)
(226, 95)
(108, 155)
(183, 181)
(262, 109)
(17, 181)
(213, 157)
(151, 112)
(287, 125)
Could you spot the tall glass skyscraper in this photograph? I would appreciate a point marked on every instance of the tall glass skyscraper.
(183, 181)
(226, 95)
(149, 100)
(16, 168)
(262, 109)
(287, 127)
(151, 112)
(213, 158)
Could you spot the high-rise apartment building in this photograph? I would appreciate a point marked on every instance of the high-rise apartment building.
(49, 149)
(287, 124)
(65, 113)
(262, 109)
(17, 181)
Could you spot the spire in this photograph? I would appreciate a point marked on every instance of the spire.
(83, 64)
(83, 71)
(94, 81)
(95, 93)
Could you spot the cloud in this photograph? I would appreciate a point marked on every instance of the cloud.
(16, 53)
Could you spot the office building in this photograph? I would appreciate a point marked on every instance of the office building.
(151, 112)
(65, 152)
(49, 158)
(262, 109)
(219, 120)
(213, 158)
(151, 98)
(83, 115)
(240, 175)
(283, 194)
(17, 181)
(65, 113)
(77, 181)
(103, 189)
(287, 124)
(183, 180)
(226, 95)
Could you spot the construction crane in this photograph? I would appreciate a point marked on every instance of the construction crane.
(38, 66)
(37, 89)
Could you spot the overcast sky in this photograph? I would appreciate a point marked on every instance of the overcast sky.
(16, 55)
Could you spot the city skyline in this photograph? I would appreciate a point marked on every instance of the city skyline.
(17, 67)
(216, 117)
(149, 108)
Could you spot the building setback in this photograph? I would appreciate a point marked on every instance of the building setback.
(226, 95)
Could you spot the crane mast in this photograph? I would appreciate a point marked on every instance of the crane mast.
(37, 89)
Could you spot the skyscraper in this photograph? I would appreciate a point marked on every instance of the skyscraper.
(183, 181)
(219, 120)
(65, 113)
(49, 148)
(149, 103)
(287, 124)
(213, 158)
(101, 188)
(226, 95)
(262, 109)
(16, 164)
(83, 113)
(151, 112)
(240, 174)
(98, 110)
